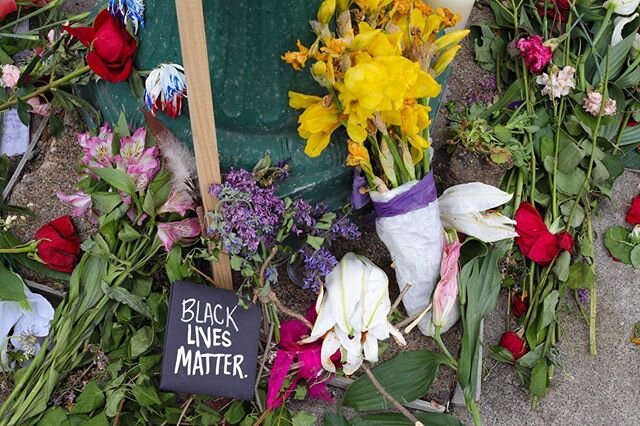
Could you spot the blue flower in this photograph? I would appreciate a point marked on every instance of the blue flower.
(128, 10)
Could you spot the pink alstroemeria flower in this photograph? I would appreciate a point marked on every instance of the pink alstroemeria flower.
(80, 202)
(98, 149)
(145, 168)
(183, 231)
(446, 292)
(131, 149)
(309, 361)
(178, 202)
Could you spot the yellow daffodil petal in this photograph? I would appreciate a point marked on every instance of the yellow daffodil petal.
(316, 143)
(326, 10)
(302, 101)
(445, 59)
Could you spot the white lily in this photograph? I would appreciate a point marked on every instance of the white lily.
(463, 208)
(352, 315)
(622, 7)
(618, 27)
(29, 323)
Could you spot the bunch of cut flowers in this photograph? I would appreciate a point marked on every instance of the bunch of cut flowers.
(137, 190)
(575, 68)
(378, 62)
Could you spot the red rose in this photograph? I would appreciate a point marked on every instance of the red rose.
(514, 344)
(633, 214)
(59, 246)
(631, 123)
(558, 10)
(535, 241)
(7, 7)
(111, 47)
(518, 305)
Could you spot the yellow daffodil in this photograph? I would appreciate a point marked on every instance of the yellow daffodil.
(297, 59)
(317, 122)
(326, 10)
(450, 39)
(372, 6)
(324, 73)
(359, 156)
(376, 42)
(445, 59)
(412, 117)
(334, 47)
(448, 18)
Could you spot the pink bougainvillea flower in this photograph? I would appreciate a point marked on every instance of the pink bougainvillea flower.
(446, 292)
(535, 54)
(178, 202)
(535, 241)
(308, 357)
(80, 202)
(183, 231)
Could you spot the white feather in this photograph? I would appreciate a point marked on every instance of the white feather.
(179, 160)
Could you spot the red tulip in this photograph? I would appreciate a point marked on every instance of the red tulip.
(514, 344)
(633, 214)
(518, 305)
(535, 241)
(7, 7)
(111, 47)
(59, 246)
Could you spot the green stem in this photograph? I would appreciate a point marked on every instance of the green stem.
(70, 19)
(404, 175)
(593, 299)
(43, 89)
(438, 339)
(554, 188)
(472, 407)
(38, 11)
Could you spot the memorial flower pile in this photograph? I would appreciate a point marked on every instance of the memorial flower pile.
(577, 78)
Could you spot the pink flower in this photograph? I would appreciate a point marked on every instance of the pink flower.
(10, 76)
(80, 202)
(178, 202)
(39, 106)
(446, 292)
(308, 357)
(593, 103)
(184, 231)
(131, 148)
(98, 149)
(145, 168)
(535, 54)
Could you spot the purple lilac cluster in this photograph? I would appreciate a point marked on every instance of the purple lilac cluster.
(317, 264)
(248, 215)
(584, 297)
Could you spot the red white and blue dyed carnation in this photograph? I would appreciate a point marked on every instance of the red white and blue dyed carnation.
(165, 88)
(128, 11)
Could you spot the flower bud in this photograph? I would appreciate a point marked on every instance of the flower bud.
(634, 236)
(326, 10)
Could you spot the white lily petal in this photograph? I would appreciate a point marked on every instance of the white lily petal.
(471, 197)
(618, 26)
(370, 347)
(325, 321)
(397, 335)
(353, 362)
(10, 312)
(380, 331)
(622, 7)
(487, 227)
(329, 346)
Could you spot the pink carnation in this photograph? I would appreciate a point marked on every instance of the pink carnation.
(10, 76)
(535, 54)
(593, 103)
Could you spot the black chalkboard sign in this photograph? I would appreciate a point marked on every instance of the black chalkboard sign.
(211, 343)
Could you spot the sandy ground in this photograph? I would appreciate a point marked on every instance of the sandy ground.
(602, 390)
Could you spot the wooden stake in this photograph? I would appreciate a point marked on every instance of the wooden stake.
(195, 59)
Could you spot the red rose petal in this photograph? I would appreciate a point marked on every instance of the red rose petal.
(633, 214)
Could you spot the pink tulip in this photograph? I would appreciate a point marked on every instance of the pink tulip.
(184, 231)
(80, 202)
(446, 292)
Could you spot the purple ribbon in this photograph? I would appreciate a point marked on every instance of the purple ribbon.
(421, 195)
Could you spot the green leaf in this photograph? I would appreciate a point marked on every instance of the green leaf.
(549, 309)
(90, 399)
(315, 242)
(581, 275)
(334, 419)
(530, 359)
(570, 183)
(99, 420)
(105, 202)
(113, 401)
(578, 215)
(146, 395)
(569, 158)
(127, 233)
(540, 378)
(302, 418)
(54, 416)
(208, 416)
(140, 341)
(561, 266)
(615, 240)
(122, 127)
(123, 295)
(11, 286)
(502, 354)
(407, 377)
(117, 179)
(235, 413)
(392, 419)
(635, 256)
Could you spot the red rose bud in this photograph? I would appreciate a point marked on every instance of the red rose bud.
(111, 47)
(59, 247)
(633, 214)
(558, 10)
(535, 241)
(518, 305)
(514, 344)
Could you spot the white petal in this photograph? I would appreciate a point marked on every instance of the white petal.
(40, 305)
(370, 347)
(471, 197)
(618, 27)
(329, 346)
(10, 312)
(397, 335)
(354, 361)
(487, 227)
